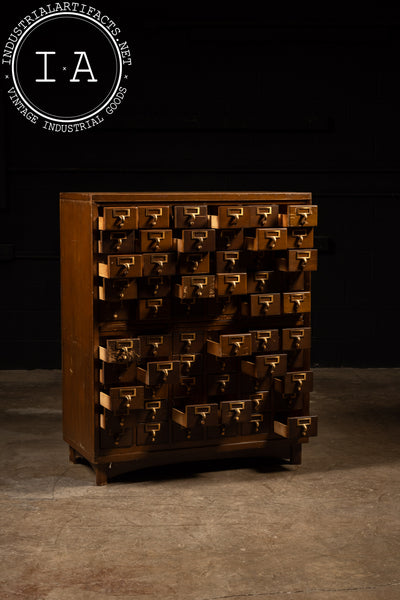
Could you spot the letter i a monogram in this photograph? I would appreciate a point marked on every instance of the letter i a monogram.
(82, 55)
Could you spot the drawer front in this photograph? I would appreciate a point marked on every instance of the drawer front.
(160, 372)
(296, 302)
(154, 308)
(265, 340)
(153, 410)
(236, 344)
(152, 434)
(114, 290)
(298, 429)
(186, 342)
(193, 263)
(265, 365)
(294, 382)
(159, 264)
(239, 411)
(302, 216)
(272, 238)
(223, 384)
(196, 240)
(115, 432)
(189, 388)
(262, 305)
(195, 415)
(191, 216)
(296, 338)
(300, 237)
(155, 240)
(196, 286)
(263, 215)
(262, 402)
(191, 364)
(154, 287)
(222, 364)
(112, 242)
(258, 423)
(123, 265)
(153, 216)
(298, 260)
(233, 216)
(261, 282)
(122, 350)
(118, 218)
(230, 261)
(229, 284)
(123, 374)
(229, 239)
(123, 400)
(287, 402)
(155, 346)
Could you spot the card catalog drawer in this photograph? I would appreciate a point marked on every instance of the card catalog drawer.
(300, 237)
(265, 340)
(297, 429)
(298, 260)
(115, 431)
(153, 410)
(196, 240)
(154, 308)
(159, 372)
(262, 305)
(263, 215)
(205, 415)
(191, 216)
(294, 382)
(238, 411)
(154, 287)
(193, 263)
(152, 434)
(196, 286)
(113, 290)
(300, 216)
(230, 261)
(112, 242)
(229, 284)
(264, 365)
(235, 344)
(159, 264)
(189, 388)
(230, 216)
(155, 240)
(225, 384)
(191, 364)
(122, 400)
(188, 341)
(296, 338)
(272, 238)
(155, 345)
(260, 282)
(261, 401)
(122, 350)
(153, 216)
(118, 217)
(229, 239)
(121, 265)
(296, 302)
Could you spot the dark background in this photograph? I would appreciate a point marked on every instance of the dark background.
(234, 101)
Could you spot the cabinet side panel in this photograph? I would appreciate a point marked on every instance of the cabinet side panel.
(77, 324)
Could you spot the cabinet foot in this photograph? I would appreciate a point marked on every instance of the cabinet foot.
(101, 475)
(74, 457)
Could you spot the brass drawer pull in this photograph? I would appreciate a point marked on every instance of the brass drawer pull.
(272, 236)
(303, 257)
(236, 408)
(296, 299)
(303, 212)
(202, 411)
(153, 406)
(264, 212)
(153, 214)
(120, 215)
(191, 212)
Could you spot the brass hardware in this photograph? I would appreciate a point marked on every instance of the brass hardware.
(231, 281)
(152, 428)
(153, 214)
(303, 212)
(155, 304)
(303, 423)
(222, 381)
(231, 258)
(120, 215)
(155, 342)
(198, 283)
(264, 212)
(188, 338)
(191, 212)
(202, 411)
(153, 406)
(125, 263)
(257, 419)
(263, 336)
(272, 236)
(299, 234)
(303, 256)
(296, 335)
(266, 302)
(296, 299)
(261, 277)
(117, 239)
(188, 383)
(236, 408)
(199, 236)
(120, 286)
(298, 379)
(186, 361)
(194, 261)
(236, 342)
(156, 237)
(234, 214)
(159, 261)
(272, 361)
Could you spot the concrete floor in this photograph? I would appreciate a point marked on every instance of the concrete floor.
(326, 530)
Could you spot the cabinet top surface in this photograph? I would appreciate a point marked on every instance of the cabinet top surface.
(189, 196)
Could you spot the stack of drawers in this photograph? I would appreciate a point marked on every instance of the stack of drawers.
(194, 334)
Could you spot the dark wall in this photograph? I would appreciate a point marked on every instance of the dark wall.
(217, 103)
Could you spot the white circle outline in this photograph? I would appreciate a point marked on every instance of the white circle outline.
(92, 21)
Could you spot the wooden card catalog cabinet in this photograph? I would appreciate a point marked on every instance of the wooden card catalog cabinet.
(186, 329)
